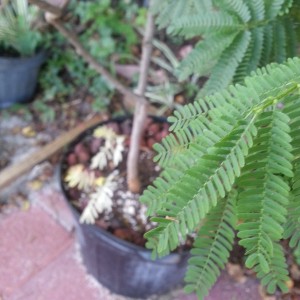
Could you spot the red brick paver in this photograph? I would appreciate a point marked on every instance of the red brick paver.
(63, 279)
(29, 241)
(39, 259)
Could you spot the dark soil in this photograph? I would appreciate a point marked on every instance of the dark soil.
(127, 220)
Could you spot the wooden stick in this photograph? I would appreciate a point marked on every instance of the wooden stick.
(10, 173)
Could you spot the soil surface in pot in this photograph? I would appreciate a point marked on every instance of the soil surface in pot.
(126, 216)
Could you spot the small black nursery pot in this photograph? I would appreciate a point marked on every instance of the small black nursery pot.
(18, 78)
(128, 269)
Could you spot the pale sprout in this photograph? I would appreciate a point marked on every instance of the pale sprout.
(100, 200)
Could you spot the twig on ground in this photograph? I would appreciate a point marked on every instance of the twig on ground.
(11, 173)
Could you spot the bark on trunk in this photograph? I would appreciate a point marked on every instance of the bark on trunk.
(140, 113)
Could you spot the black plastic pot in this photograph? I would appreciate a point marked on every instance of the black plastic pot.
(125, 268)
(18, 78)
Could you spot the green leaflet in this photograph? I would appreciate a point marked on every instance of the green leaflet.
(277, 275)
(227, 64)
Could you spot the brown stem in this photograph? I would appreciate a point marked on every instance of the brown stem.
(140, 113)
(51, 8)
(74, 40)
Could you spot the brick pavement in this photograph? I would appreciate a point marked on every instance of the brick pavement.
(40, 260)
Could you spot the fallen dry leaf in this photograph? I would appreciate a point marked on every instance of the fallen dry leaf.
(236, 272)
(180, 99)
(78, 176)
(185, 51)
(28, 131)
(290, 284)
(127, 71)
(295, 272)
(25, 207)
(263, 294)
(99, 181)
(35, 184)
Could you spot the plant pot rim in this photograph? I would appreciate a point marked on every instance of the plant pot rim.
(39, 54)
(92, 227)
(125, 245)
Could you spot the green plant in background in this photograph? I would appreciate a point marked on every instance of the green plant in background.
(17, 28)
(237, 36)
(164, 93)
(106, 31)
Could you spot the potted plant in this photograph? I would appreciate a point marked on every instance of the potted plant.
(93, 176)
(112, 222)
(168, 200)
(21, 52)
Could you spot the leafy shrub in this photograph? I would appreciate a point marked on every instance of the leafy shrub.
(103, 28)
(231, 163)
(17, 29)
(237, 36)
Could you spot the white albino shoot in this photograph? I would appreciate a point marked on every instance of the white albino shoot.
(112, 149)
(78, 177)
(100, 200)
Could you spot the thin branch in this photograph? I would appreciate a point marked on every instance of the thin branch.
(43, 5)
(74, 40)
(141, 109)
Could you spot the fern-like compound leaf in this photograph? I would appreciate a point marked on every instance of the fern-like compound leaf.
(202, 23)
(257, 9)
(265, 191)
(169, 10)
(292, 226)
(273, 8)
(270, 27)
(278, 274)
(228, 62)
(204, 55)
(212, 247)
(244, 140)
(192, 122)
(236, 7)
(202, 186)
